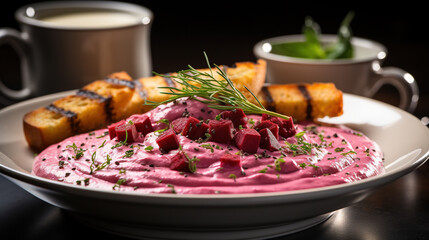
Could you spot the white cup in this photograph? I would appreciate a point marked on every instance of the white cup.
(65, 45)
(361, 75)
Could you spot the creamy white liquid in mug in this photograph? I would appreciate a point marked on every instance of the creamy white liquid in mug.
(91, 19)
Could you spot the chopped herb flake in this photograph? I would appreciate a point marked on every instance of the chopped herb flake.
(119, 183)
(233, 176)
(148, 148)
(77, 151)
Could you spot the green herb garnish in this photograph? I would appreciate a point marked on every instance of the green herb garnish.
(85, 181)
(192, 162)
(160, 131)
(119, 183)
(208, 146)
(302, 147)
(216, 93)
(95, 167)
(121, 143)
(233, 176)
(128, 153)
(278, 162)
(148, 148)
(348, 153)
(102, 145)
(312, 48)
(173, 190)
(103, 135)
(77, 151)
(338, 149)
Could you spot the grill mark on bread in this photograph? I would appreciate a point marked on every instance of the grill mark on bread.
(70, 115)
(92, 95)
(65, 113)
(169, 81)
(121, 82)
(141, 90)
(271, 105)
(106, 100)
(304, 91)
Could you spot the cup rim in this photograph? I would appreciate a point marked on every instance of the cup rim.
(261, 53)
(140, 11)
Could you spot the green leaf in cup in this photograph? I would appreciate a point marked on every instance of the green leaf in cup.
(312, 48)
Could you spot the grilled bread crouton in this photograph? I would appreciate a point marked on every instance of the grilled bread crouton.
(92, 107)
(117, 89)
(248, 74)
(302, 101)
(45, 126)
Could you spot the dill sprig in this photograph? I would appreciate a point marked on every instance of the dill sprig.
(216, 93)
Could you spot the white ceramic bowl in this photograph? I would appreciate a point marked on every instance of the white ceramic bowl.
(361, 75)
(403, 139)
(352, 75)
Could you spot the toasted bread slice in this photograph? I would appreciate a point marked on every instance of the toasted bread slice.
(303, 101)
(43, 127)
(89, 113)
(92, 107)
(119, 88)
(248, 74)
(147, 89)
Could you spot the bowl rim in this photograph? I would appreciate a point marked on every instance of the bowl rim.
(260, 53)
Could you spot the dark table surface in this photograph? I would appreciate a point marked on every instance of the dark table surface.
(398, 210)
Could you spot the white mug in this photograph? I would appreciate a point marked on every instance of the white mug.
(361, 75)
(65, 45)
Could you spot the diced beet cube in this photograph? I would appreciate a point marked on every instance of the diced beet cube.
(268, 140)
(111, 128)
(274, 128)
(221, 131)
(243, 123)
(265, 117)
(127, 132)
(225, 115)
(179, 162)
(194, 128)
(248, 140)
(286, 127)
(168, 141)
(237, 116)
(230, 161)
(238, 113)
(178, 124)
(143, 123)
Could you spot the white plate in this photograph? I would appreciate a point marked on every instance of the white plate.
(401, 136)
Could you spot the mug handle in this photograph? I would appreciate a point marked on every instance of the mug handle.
(21, 46)
(402, 81)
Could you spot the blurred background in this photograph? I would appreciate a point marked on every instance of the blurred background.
(227, 31)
